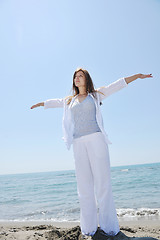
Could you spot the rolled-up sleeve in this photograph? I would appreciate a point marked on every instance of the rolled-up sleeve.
(111, 88)
(54, 103)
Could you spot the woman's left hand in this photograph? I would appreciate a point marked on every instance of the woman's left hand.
(145, 75)
(139, 75)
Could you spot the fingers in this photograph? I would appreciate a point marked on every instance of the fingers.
(34, 106)
(149, 75)
(146, 75)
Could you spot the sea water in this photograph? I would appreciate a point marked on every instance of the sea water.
(52, 196)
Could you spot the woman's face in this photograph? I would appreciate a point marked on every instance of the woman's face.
(80, 80)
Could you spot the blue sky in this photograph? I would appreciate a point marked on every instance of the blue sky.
(41, 45)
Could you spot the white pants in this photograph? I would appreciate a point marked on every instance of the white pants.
(92, 166)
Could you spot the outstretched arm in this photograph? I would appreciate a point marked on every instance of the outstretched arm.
(119, 84)
(50, 103)
(38, 105)
(136, 76)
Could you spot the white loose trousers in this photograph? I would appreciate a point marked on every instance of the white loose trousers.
(92, 164)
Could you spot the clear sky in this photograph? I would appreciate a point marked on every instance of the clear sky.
(41, 45)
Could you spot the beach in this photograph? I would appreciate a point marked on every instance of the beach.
(71, 230)
(45, 206)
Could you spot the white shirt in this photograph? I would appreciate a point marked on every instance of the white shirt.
(68, 125)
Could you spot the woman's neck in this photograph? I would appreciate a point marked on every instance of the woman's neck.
(82, 91)
(84, 94)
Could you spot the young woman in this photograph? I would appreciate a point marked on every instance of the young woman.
(83, 127)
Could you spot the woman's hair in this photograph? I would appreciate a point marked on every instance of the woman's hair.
(89, 84)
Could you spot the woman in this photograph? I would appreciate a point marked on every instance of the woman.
(83, 127)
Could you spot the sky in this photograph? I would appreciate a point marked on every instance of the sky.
(41, 45)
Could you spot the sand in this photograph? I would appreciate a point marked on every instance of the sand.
(71, 230)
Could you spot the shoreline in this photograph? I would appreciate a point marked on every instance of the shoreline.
(66, 224)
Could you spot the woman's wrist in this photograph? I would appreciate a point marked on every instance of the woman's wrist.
(131, 78)
(139, 75)
(40, 104)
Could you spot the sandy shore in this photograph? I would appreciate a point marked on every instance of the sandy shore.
(71, 230)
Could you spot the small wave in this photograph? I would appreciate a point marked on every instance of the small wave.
(15, 201)
(145, 212)
(73, 210)
(40, 220)
(73, 215)
(35, 214)
(124, 170)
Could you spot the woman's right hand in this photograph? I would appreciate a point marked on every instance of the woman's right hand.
(37, 105)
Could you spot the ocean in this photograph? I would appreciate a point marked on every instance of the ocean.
(52, 196)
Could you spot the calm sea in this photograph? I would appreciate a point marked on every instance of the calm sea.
(53, 195)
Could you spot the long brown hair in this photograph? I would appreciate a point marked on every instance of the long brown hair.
(89, 85)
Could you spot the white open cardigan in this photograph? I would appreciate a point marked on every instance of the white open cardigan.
(67, 123)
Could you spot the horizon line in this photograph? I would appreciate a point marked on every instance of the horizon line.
(19, 173)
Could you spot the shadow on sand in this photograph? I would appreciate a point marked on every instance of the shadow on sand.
(75, 234)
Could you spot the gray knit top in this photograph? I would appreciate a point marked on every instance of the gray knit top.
(84, 117)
